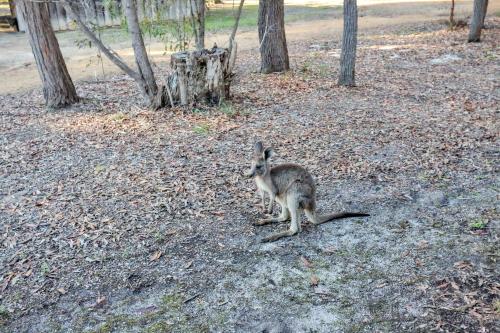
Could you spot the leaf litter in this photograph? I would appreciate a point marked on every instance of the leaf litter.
(107, 201)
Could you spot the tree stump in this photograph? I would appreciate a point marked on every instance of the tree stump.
(202, 76)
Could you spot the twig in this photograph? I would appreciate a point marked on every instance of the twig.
(41, 287)
(170, 98)
(191, 298)
(459, 309)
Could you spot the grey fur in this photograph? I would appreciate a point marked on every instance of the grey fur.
(292, 187)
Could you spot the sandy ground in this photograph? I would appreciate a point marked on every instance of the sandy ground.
(17, 63)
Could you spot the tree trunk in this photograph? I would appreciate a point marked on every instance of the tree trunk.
(485, 10)
(90, 9)
(154, 10)
(201, 24)
(148, 87)
(452, 15)
(198, 77)
(58, 89)
(197, 11)
(477, 22)
(233, 46)
(349, 41)
(273, 48)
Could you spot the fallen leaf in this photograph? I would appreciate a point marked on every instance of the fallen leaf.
(314, 280)
(155, 256)
(306, 262)
(101, 300)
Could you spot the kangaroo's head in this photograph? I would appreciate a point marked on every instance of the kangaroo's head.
(260, 161)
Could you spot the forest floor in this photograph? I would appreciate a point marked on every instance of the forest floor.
(120, 219)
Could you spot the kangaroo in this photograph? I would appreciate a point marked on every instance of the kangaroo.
(292, 187)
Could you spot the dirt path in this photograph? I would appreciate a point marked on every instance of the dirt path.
(17, 64)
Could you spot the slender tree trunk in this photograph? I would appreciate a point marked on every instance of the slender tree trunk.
(154, 10)
(273, 48)
(197, 11)
(477, 23)
(452, 15)
(235, 27)
(201, 24)
(349, 41)
(233, 46)
(58, 89)
(90, 10)
(485, 11)
(149, 89)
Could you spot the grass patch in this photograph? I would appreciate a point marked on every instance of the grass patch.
(4, 315)
(478, 224)
(219, 19)
(172, 301)
(227, 109)
(203, 129)
(159, 327)
(117, 323)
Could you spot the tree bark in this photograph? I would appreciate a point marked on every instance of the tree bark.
(477, 23)
(273, 48)
(148, 86)
(197, 8)
(90, 9)
(233, 46)
(485, 10)
(198, 77)
(349, 42)
(235, 27)
(58, 88)
(452, 15)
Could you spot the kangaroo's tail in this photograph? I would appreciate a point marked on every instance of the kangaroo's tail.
(329, 217)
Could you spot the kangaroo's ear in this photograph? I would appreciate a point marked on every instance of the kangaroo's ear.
(259, 147)
(269, 152)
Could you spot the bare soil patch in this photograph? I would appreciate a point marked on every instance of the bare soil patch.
(119, 219)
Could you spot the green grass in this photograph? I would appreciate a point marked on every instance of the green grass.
(4, 315)
(478, 224)
(203, 129)
(223, 18)
(227, 109)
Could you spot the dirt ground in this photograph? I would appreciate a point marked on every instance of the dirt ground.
(17, 63)
(120, 219)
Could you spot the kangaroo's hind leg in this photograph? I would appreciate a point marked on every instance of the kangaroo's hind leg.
(311, 216)
(294, 226)
(284, 216)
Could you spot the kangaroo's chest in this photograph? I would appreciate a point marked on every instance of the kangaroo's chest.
(262, 185)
